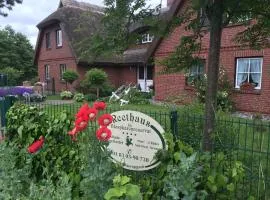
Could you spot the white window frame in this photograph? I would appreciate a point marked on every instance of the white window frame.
(47, 72)
(59, 38)
(147, 38)
(249, 59)
(63, 69)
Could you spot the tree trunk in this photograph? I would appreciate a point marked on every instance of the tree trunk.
(215, 18)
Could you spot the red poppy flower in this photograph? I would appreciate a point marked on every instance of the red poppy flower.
(92, 113)
(35, 146)
(103, 134)
(73, 132)
(82, 111)
(105, 120)
(81, 124)
(99, 105)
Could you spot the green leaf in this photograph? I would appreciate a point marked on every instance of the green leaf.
(133, 192)
(230, 187)
(221, 180)
(20, 131)
(177, 156)
(125, 180)
(113, 192)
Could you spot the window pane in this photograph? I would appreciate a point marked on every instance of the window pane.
(59, 38)
(243, 65)
(255, 65)
(48, 40)
(150, 72)
(141, 72)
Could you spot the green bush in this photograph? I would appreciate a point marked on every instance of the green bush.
(66, 95)
(79, 97)
(95, 78)
(58, 155)
(70, 76)
(224, 101)
(91, 97)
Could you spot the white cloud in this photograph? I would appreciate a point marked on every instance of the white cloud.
(24, 17)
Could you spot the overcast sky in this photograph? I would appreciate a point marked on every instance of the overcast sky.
(24, 17)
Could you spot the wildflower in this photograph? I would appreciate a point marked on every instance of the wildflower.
(99, 105)
(92, 113)
(83, 111)
(35, 146)
(81, 123)
(105, 120)
(103, 134)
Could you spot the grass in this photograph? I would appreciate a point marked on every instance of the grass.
(53, 97)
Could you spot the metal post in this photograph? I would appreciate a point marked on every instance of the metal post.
(6, 103)
(174, 123)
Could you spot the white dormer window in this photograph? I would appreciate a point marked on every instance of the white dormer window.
(59, 38)
(147, 38)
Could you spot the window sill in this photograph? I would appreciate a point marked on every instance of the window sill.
(59, 47)
(48, 49)
(255, 91)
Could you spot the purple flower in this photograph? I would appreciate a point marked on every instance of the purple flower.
(15, 91)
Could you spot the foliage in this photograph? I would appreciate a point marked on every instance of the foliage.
(13, 75)
(91, 97)
(224, 101)
(66, 95)
(70, 76)
(79, 97)
(16, 52)
(123, 189)
(7, 4)
(25, 125)
(95, 78)
(115, 34)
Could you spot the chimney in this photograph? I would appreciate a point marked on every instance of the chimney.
(169, 2)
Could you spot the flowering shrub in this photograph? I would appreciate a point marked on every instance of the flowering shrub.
(224, 101)
(66, 95)
(79, 97)
(15, 91)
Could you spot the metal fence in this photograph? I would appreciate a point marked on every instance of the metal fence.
(245, 140)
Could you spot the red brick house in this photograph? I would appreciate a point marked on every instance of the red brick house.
(55, 55)
(240, 62)
(57, 49)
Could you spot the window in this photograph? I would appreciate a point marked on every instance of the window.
(59, 40)
(147, 38)
(48, 40)
(195, 73)
(249, 70)
(63, 68)
(47, 72)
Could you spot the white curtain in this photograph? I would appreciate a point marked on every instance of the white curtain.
(255, 71)
(242, 71)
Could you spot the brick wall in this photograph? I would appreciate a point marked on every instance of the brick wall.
(174, 84)
(54, 57)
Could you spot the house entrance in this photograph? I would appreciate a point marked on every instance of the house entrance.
(145, 77)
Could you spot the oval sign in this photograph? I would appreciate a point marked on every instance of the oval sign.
(135, 140)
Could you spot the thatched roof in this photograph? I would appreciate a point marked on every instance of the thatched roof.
(79, 20)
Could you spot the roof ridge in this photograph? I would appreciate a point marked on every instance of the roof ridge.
(81, 5)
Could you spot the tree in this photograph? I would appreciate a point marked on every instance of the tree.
(8, 4)
(16, 52)
(70, 76)
(95, 78)
(13, 75)
(217, 14)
